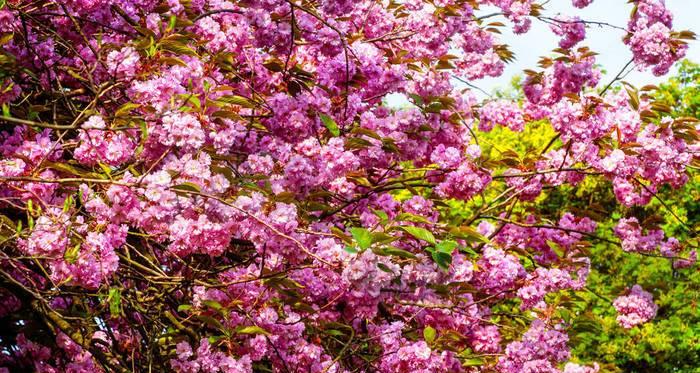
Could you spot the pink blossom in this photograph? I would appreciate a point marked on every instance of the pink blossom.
(540, 349)
(97, 144)
(635, 308)
(501, 112)
(582, 3)
(182, 130)
(572, 31)
(123, 63)
(576, 368)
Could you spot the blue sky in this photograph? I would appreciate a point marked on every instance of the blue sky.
(605, 40)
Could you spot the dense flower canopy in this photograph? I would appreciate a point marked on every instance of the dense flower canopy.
(220, 186)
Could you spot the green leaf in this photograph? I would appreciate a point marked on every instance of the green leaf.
(191, 99)
(417, 99)
(188, 187)
(211, 322)
(4, 39)
(226, 114)
(469, 251)
(443, 260)
(237, 100)
(68, 203)
(177, 47)
(395, 251)
(171, 22)
(388, 145)
(412, 218)
(144, 131)
(381, 237)
(434, 107)
(126, 109)
(468, 233)
(253, 329)
(301, 306)
(170, 60)
(362, 236)
(184, 307)
(383, 216)
(213, 304)
(69, 168)
(105, 168)
(384, 268)
(420, 233)
(429, 334)
(274, 65)
(565, 315)
(366, 132)
(341, 234)
(115, 301)
(447, 247)
(330, 124)
(357, 143)
(473, 362)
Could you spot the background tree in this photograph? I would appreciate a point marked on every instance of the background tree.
(671, 342)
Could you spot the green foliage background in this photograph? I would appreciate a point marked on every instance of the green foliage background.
(671, 342)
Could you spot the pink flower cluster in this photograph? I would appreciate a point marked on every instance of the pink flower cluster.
(635, 240)
(566, 233)
(181, 130)
(540, 350)
(518, 12)
(502, 112)
(464, 182)
(635, 308)
(402, 355)
(651, 39)
(123, 63)
(99, 144)
(499, 271)
(42, 359)
(572, 31)
(568, 75)
(206, 360)
(582, 3)
(541, 282)
(86, 264)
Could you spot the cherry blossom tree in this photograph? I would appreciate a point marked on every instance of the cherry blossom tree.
(221, 186)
